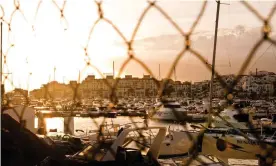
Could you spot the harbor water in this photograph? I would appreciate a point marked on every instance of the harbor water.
(86, 124)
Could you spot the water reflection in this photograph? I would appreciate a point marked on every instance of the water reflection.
(87, 124)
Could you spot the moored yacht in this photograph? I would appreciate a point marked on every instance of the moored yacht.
(169, 110)
(221, 143)
(233, 117)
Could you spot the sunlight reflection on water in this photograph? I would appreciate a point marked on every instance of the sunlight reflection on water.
(87, 124)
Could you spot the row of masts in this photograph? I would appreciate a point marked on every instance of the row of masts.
(159, 72)
(113, 72)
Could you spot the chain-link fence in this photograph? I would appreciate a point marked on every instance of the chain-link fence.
(112, 86)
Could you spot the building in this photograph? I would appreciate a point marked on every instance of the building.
(128, 86)
(262, 84)
(17, 97)
(54, 90)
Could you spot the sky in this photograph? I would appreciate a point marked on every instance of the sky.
(41, 42)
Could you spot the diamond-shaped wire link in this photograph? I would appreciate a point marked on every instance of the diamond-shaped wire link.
(188, 47)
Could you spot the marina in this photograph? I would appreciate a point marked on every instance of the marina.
(86, 127)
(195, 112)
(69, 104)
(165, 131)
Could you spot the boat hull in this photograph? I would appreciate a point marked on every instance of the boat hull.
(170, 115)
(180, 143)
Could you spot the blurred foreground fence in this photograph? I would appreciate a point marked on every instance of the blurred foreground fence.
(7, 21)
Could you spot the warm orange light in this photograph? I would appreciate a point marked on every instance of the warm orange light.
(54, 123)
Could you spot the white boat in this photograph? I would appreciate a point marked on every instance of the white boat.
(107, 132)
(177, 143)
(121, 141)
(93, 111)
(169, 110)
(124, 150)
(222, 144)
(225, 146)
(234, 119)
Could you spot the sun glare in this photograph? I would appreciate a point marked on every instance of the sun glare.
(49, 44)
(55, 123)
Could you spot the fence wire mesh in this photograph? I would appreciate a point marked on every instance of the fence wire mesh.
(8, 21)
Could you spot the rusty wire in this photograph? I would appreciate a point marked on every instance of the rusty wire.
(187, 48)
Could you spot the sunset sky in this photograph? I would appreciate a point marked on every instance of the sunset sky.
(38, 51)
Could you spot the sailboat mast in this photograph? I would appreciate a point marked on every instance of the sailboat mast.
(54, 73)
(213, 63)
(159, 72)
(113, 70)
(1, 47)
(174, 73)
(79, 77)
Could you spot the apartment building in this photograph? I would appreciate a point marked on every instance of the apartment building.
(261, 83)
